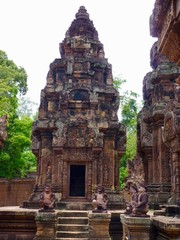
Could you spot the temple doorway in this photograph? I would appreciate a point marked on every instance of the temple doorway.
(77, 181)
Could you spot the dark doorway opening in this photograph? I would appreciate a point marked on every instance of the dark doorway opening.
(77, 181)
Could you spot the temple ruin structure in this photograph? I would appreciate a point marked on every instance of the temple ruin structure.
(159, 120)
(164, 25)
(77, 139)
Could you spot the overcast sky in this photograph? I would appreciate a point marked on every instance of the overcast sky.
(31, 30)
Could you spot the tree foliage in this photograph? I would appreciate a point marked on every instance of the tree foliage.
(128, 110)
(13, 80)
(16, 154)
(13, 156)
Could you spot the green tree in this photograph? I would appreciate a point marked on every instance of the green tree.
(128, 110)
(13, 80)
(15, 155)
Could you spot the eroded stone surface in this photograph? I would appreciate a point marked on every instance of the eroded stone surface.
(77, 139)
(99, 225)
(165, 25)
(157, 133)
(136, 228)
(158, 121)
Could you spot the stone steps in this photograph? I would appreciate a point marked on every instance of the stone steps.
(71, 234)
(73, 214)
(80, 206)
(72, 225)
(71, 220)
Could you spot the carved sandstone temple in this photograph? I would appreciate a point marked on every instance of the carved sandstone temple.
(159, 120)
(77, 139)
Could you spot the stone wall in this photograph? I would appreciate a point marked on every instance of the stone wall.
(15, 191)
(17, 223)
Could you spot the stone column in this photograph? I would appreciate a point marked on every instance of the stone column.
(117, 165)
(135, 228)
(94, 171)
(176, 176)
(155, 154)
(46, 225)
(65, 180)
(148, 167)
(99, 226)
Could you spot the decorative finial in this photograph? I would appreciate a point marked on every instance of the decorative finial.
(82, 13)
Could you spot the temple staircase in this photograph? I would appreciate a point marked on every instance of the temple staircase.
(72, 225)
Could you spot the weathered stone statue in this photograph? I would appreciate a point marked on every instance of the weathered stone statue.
(141, 208)
(134, 199)
(100, 200)
(135, 172)
(47, 199)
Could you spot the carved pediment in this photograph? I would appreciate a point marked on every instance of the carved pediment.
(77, 134)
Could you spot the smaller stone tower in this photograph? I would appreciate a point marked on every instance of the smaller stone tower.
(77, 139)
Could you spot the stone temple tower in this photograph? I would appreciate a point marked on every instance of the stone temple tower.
(77, 139)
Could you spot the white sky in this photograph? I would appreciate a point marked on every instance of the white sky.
(31, 30)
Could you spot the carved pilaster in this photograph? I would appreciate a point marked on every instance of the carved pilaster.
(94, 171)
(65, 180)
(89, 181)
(117, 166)
(148, 167)
(176, 175)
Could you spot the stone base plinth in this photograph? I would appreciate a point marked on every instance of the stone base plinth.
(135, 228)
(17, 223)
(166, 227)
(99, 226)
(46, 225)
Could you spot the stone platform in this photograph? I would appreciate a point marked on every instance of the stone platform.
(166, 228)
(20, 223)
(17, 223)
(27, 224)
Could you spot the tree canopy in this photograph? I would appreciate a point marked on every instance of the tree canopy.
(128, 111)
(16, 154)
(13, 81)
